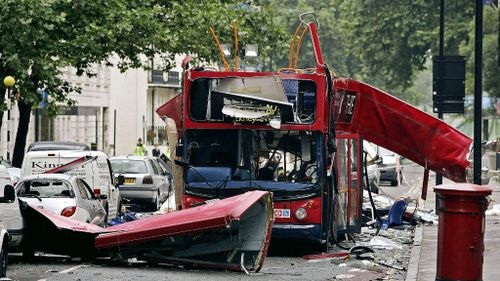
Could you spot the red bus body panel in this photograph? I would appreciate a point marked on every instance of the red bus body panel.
(398, 126)
(173, 109)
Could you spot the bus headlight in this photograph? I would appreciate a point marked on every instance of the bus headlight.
(300, 213)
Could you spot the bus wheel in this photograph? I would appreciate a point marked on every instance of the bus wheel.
(333, 226)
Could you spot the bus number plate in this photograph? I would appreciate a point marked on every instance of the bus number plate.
(282, 213)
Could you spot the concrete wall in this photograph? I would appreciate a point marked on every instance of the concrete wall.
(128, 97)
(92, 118)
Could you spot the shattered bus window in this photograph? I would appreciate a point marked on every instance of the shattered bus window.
(253, 100)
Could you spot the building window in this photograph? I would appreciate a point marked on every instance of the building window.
(157, 77)
(173, 77)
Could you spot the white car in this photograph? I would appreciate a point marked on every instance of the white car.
(372, 161)
(390, 168)
(15, 173)
(145, 179)
(10, 212)
(97, 173)
(65, 195)
(8, 197)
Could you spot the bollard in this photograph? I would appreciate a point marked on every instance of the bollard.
(461, 231)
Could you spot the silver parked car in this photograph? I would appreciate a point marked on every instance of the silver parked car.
(372, 161)
(145, 180)
(63, 194)
(390, 168)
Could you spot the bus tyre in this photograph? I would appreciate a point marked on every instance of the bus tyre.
(333, 226)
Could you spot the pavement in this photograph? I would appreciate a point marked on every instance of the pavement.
(422, 264)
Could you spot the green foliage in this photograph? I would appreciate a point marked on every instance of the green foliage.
(48, 35)
(393, 39)
(333, 47)
(384, 43)
(491, 68)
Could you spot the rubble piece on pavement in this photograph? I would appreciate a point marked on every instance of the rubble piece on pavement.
(167, 206)
(326, 256)
(384, 243)
(395, 214)
(124, 217)
(390, 258)
(344, 276)
(385, 205)
(426, 216)
(494, 211)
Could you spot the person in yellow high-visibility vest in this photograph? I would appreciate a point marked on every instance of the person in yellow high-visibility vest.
(139, 149)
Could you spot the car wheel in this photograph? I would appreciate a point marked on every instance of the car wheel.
(156, 202)
(119, 207)
(3, 261)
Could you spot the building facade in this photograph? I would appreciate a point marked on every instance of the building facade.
(113, 110)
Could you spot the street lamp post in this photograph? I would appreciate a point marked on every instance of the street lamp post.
(8, 82)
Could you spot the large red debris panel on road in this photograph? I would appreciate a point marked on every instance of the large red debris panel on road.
(232, 234)
(398, 126)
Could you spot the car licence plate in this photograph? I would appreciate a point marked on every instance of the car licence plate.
(282, 213)
(129, 180)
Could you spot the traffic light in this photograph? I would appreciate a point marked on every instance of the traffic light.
(448, 84)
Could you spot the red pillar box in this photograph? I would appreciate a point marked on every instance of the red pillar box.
(461, 231)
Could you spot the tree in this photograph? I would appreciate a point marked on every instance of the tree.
(393, 39)
(286, 14)
(47, 35)
(491, 68)
(384, 43)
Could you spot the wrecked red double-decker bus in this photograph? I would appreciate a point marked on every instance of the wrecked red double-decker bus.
(241, 131)
(297, 133)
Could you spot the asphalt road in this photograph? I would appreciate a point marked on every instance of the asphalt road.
(275, 268)
(284, 262)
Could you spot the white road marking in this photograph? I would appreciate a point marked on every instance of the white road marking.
(71, 269)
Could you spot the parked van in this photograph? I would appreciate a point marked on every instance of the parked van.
(96, 173)
(57, 145)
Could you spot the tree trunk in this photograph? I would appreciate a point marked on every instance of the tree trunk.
(22, 132)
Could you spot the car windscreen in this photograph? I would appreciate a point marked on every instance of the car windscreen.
(126, 166)
(45, 188)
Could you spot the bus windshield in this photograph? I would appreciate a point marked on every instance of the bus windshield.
(262, 155)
